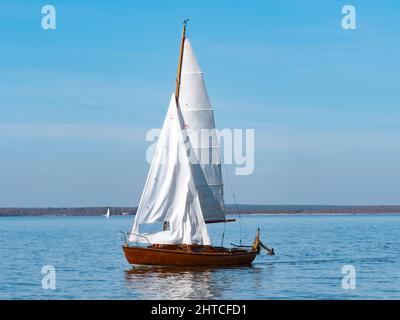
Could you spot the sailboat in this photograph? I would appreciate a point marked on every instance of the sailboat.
(182, 195)
(108, 213)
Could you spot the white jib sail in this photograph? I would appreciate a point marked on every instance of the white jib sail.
(169, 211)
(198, 119)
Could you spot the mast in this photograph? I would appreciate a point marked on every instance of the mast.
(178, 76)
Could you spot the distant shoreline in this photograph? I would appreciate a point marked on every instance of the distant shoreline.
(230, 209)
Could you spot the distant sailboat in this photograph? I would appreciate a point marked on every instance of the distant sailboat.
(108, 213)
(180, 197)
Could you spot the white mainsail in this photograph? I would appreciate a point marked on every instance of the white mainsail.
(199, 120)
(184, 187)
(170, 201)
(108, 213)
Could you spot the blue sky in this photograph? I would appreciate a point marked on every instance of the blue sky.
(76, 102)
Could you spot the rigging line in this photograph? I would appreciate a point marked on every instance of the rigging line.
(223, 235)
(235, 204)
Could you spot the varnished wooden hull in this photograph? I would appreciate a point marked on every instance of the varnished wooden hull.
(187, 256)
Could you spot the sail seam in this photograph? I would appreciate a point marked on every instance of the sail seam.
(188, 72)
(197, 109)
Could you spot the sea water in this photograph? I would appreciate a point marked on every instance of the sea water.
(313, 255)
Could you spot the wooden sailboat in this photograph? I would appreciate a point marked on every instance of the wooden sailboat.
(182, 195)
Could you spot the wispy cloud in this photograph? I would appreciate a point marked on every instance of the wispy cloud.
(103, 132)
(335, 142)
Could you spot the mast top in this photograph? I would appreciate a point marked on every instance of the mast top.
(178, 76)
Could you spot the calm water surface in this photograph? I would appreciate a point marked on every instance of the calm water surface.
(310, 253)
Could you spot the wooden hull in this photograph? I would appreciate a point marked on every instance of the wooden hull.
(188, 256)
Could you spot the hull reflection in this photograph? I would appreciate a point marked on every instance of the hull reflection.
(155, 282)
